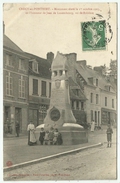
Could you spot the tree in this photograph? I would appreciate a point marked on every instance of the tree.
(113, 68)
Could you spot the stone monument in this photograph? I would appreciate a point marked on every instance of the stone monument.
(59, 114)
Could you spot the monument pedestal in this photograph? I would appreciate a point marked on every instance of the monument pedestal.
(59, 114)
(73, 134)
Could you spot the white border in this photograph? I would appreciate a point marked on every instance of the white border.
(1, 76)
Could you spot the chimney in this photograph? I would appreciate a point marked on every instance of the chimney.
(82, 62)
(3, 28)
(50, 57)
(100, 69)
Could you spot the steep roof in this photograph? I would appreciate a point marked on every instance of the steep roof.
(8, 43)
(87, 73)
(73, 87)
(43, 67)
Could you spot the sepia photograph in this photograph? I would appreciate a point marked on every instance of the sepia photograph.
(60, 107)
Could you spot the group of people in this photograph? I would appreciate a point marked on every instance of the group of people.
(52, 137)
(8, 127)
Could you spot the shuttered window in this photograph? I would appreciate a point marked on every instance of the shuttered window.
(35, 87)
(43, 92)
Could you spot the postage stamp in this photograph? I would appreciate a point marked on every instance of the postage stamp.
(93, 35)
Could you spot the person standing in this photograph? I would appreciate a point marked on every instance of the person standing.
(93, 126)
(59, 139)
(51, 135)
(17, 126)
(55, 136)
(109, 133)
(8, 125)
(31, 134)
(42, 136)
(46, 139)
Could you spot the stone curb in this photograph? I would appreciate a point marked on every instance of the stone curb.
(5, 169)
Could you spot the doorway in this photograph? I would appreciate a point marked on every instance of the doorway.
(95, 116)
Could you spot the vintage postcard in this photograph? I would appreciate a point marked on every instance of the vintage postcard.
(60, 80)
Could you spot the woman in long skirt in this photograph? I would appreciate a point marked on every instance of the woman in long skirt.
(92, 126)
(31, 134)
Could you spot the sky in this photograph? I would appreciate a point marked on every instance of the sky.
(39, 28)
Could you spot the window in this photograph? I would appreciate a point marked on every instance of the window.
(49, 89)
(96, 82)
(82, 105)
(77, 104)
(35, 87)
(112, 103)
(105, 101)
(91, 97)
(35, 66)
(91, 115)
(97, 99)
(9, 61)
(9, 85)
(43, 92)
(21, 64)
(21, 87)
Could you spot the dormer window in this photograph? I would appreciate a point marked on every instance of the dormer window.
(21, 64)
(9, 60)
(91, 80)
(35, 66)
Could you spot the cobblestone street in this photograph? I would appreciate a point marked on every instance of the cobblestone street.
(97, 163)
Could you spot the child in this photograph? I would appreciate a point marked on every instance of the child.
(55, 136)
(51, 135)
(59, 139)
(46, 139)
(109, 136)
(42, 135)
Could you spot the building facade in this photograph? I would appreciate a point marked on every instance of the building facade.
(101, 95)
(39, 87)
(15, 87)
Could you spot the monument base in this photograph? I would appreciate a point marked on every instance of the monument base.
(73, 134)
(73, 138)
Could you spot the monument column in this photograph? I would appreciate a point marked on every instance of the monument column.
(59, 114)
